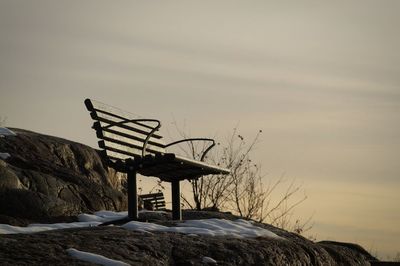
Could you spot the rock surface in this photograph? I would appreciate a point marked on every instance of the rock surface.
(48, 177)
(162, 248)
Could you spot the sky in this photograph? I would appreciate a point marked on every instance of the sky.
(320, 79)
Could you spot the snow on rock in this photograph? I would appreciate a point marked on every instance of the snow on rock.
(140, 226)
(85, 220)
(106, 216)
(208, 260)
(4, 155)
(94, 258)
(208, 227)
(34, 228)
(102, 216)
(6, 132)
(240, 227)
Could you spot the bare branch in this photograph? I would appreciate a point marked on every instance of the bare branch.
(243, 191)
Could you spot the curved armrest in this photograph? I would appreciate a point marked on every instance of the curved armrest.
(154, 129)
(195, 139)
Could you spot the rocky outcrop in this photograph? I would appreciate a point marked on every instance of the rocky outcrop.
(48, 177)
(166, 248)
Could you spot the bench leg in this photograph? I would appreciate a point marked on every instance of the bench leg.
(132, 196)
(176, 200)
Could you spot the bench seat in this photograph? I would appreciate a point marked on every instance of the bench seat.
(169, 166)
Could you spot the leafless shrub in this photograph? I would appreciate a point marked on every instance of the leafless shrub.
(243, 191)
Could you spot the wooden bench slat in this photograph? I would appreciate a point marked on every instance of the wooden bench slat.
(136, 141)
(158, 203)
(187, 165)
(155, 204)
(159, 200)
(156, 195)
(118, 153)
(203, 165)
(117, 118)
(109, 156)
(127, 126)
(136, 145)
(156, 199)
(116, 113)
(128, 134)
(122, 152)
(131, 143)
(130, 148)
(159, 194)
(180, 170)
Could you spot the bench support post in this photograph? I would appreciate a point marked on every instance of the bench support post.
(176, 200)
(132, 195)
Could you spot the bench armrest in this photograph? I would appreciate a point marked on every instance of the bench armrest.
(195, 139)
(154, 129)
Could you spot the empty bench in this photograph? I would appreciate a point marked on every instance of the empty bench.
(134, 145)
(155, 201)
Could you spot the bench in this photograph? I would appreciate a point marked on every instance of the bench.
(134, 145)
(155, 200)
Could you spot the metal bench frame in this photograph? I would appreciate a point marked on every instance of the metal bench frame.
(150, 161)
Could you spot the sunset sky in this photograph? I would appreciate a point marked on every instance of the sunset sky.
(321, 79)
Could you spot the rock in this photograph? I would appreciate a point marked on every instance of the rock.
(167, 248)
(47, 177)
(342, 252)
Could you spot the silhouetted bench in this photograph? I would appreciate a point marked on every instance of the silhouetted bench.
(155, 200)
(134, 145)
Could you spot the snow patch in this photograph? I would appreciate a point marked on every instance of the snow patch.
(34, 228)
(94, 258)
(107, 216)
(102, 216)
(4, 155)
(208, 260)
(207, 227)
(6, 132)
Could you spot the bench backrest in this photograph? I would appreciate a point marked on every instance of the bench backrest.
(123, 135)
